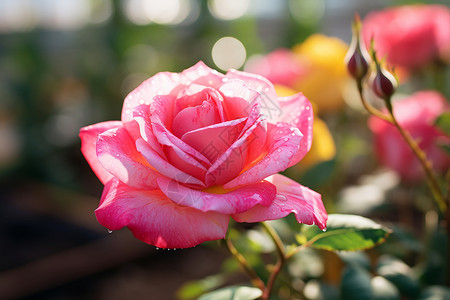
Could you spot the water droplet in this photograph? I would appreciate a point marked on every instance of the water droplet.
(141, 101)
(307, 108)
(110, 231)
(278, 150)
(281, 197)
(229, 93)
(286, 139)
(117, 154)
(157, 248)
(324, 229)
(128, 111)
(224, 79)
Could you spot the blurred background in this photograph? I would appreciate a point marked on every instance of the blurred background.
(69, 63)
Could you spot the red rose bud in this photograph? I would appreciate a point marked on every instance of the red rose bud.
(357, 58)
(383, 83)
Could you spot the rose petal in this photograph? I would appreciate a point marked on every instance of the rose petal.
(88, 136)
(234, 159)
(156, 220)
(214, 140)
(192, 118)
(142, 117)
(117, 153)
(202, 74)
(194, 95)
(230, 202)
(291, 197)
(164, 167)
(165, 137)
(162, 83)
(268, 96)
(239, 99)
(297, 110)
(283, 143)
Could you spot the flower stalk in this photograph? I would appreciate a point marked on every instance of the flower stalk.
(384, 84)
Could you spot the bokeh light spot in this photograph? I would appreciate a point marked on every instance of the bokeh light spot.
(229, 53)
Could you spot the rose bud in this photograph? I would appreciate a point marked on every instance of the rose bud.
(357, 58)
(383, 82)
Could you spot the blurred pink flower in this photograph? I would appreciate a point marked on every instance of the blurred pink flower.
(416, 115)
(410, 36)
(281, 66)
(193, 149)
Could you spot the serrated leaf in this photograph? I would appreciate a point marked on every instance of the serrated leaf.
(233, 293)
(346, 233)
(443, 122)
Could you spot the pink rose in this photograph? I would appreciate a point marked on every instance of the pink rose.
(280, 67)
(193, 149)
(416, 115)
(410, 36)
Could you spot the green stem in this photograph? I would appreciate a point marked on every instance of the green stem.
(256, 281)
(281, 259)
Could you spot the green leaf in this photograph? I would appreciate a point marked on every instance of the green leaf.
(356, 284)
(400, 274)
(233, 293)
(193, 289)
(347, 233)
(435, 293)
(443, 122)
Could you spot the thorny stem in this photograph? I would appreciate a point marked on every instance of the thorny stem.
(426, 165)
(257, 282)
(281, 259)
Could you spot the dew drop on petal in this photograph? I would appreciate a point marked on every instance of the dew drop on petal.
(286, 139)
(128, 111)
(110, 231)
(307, 108)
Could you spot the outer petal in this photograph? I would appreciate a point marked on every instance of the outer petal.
(230, 202)
(162, 83)
(297, 110)
(156, 220)
(117, 153)
(283, 143)
(88, 136)
(203, 75)
(291, 197)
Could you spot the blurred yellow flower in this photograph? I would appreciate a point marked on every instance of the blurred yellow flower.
(322, 148)
(326, 74)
